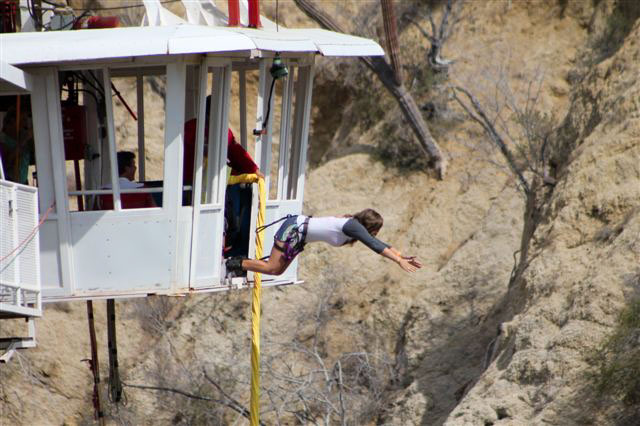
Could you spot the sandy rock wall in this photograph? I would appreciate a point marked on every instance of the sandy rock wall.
(584, 265)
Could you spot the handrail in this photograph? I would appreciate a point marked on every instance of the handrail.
(122, 191)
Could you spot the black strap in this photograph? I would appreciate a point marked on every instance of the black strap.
(263, 227)
(304, 230)
(303, 233)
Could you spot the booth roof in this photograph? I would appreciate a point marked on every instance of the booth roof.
(99, 44)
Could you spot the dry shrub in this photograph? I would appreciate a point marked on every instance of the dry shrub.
(617, 360)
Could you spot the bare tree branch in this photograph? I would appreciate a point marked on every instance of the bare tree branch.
(343, 421)
(237, 408)
(233, 403)
(391, 35)
(487, 124)
(424, 32)
(439, 33)
(385, 73)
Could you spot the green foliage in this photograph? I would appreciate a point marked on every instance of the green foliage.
(619, 25)
(617, 361)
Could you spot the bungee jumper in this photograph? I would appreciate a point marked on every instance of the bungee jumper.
(298, 230)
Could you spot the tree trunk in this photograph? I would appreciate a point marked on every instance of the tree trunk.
(391, 35)
(387, 76)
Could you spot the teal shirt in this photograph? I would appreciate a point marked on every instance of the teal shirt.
(8, 144)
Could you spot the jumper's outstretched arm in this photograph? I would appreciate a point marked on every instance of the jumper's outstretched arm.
(407, 263)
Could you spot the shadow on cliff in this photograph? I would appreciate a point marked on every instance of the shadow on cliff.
(450, 367)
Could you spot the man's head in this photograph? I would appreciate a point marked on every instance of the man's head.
(127, 164)
(370, 219)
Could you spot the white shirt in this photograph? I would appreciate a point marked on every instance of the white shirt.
(326, 229)
(125, 184)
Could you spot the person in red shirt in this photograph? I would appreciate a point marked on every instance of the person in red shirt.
(238, 197)
(237, 157)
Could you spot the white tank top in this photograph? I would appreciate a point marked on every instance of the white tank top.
(327, 229)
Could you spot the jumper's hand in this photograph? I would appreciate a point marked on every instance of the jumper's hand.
(409, 265)
(413, 261)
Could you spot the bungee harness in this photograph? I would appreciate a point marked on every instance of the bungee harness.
(295, 242)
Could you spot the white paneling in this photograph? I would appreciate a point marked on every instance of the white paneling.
(56, 145)
(122, 254)
(19, 251)
(198, 167)
(50, 271)
(174, 152)
(27, 216)
(8, 235)
(183, 250)
(209, 256)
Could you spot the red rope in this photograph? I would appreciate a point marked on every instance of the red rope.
(126, 105)
(32, 234)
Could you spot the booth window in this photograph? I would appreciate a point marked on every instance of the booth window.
(17, 151)
(113, 132)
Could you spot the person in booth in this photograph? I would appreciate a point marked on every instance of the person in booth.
(238, 197)
(237, 157)
(126, 172)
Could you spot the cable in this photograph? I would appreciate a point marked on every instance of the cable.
(88, 82)
(95, 98)
(98, 82)
(85, 80)
(32, 13)
(31, 234)
(266, 119)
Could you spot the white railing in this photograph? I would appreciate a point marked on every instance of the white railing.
(19, 251)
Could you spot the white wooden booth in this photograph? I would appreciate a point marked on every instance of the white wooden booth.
(87, 250)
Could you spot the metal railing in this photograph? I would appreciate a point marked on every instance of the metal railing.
(20, 285)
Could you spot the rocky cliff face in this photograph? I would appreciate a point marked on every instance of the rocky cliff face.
(584, 264)
(469, 340)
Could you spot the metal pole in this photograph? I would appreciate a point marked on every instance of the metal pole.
(234, 13)
(76, 171)
(140, 102)
(254, 14)
(243, 108)
(95, 368)
(115, 386)
(16, 165)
